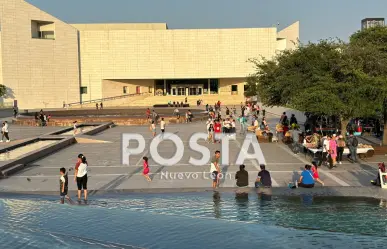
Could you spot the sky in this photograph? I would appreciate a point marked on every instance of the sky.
(319, 19)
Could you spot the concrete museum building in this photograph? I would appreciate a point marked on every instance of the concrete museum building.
(46, 62)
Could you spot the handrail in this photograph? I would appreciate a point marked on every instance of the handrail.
(103, 99)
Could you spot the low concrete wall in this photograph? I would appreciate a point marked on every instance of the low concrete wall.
(99, 128)
(116, 120)
(35, 155)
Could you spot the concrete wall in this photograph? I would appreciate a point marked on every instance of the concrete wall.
(120, 26)
(291, 34)
(111, 88)
(225, 85)
(171, 54)
(39, 73)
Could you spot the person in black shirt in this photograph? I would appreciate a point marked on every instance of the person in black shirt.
(264, 178)
(242, 177)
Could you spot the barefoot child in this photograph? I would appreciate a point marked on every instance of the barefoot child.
(145, 172)
(63, 183)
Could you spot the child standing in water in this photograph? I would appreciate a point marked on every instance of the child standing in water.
(63, 183)
(145, 172)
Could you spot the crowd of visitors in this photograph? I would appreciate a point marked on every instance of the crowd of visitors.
(41, 118)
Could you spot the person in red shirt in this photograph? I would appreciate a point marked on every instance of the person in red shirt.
(148, 113)
(217, 130)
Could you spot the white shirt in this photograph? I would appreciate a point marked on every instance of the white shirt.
(176, 110)
(82, 170)
(153, 127)
(213, 168)
(208, 123)
(326, 145)
(233, 124)
(256, 123)
(162, 124)
(62, 179)
(4, 128)
(75, 126)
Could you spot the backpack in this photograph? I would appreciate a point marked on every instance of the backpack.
(355, 143)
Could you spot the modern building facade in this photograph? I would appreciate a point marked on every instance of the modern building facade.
(46, 62)
(371, 22)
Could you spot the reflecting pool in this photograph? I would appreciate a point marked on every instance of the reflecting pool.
(193, 220)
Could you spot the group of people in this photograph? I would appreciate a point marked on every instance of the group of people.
(80, 178)
(152, 127)
(333, 147)
(100, 106)
(41, 119)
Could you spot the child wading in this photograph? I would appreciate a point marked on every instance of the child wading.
(145, 172)
(63, 185)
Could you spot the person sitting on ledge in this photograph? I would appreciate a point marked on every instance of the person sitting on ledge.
(382, 168)
(242, 177)
(306, 179)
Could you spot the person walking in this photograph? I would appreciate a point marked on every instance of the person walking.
(145, 171)
(243, 122)
(101, 106)
(162, 127)
(340, 149)
(4, 132)
(153, 128)
(75, 128)
(96, 106)
(333, 150)
(80, 176)
(211, 133)
(155, 116)
(352, 144)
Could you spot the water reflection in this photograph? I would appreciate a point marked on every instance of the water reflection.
(242, 205)
(216, 199)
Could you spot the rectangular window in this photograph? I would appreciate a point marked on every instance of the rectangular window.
(245, 88)
(214, 86)
(83, 89)
(234, 88)
(42, 30)
(125, 90)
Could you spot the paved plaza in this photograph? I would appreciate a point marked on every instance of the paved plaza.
(107, 173)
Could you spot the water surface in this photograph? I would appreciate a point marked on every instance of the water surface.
(193, 220)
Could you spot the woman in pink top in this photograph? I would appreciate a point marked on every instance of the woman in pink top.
(333, 149)
(145, 172)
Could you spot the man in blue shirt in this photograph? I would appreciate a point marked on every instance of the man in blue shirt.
(306, 179)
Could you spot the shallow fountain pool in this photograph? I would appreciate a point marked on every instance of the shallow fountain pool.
(197, 220)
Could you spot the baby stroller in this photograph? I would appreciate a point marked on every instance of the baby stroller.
(382, 168)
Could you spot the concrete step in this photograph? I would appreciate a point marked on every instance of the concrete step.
(12, 169)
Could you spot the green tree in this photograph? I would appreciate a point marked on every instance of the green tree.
(324, 78)
(3, 90)
(375, 40)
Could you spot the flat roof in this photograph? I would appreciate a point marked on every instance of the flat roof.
(373, 19)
